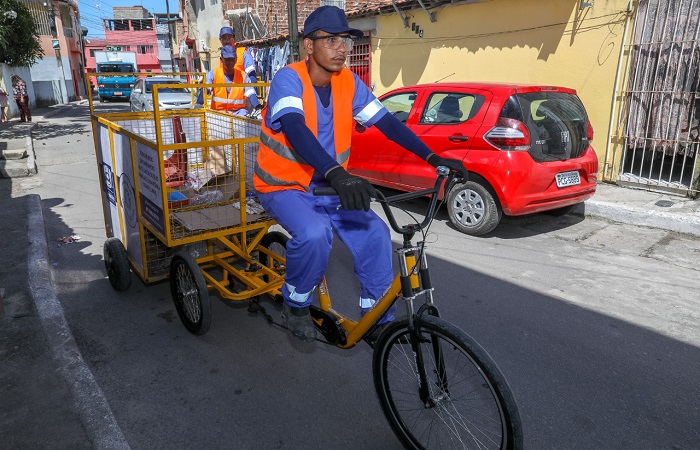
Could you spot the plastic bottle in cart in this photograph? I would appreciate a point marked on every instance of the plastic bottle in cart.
(207, 197)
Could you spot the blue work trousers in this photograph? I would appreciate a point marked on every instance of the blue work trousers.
(311, 221)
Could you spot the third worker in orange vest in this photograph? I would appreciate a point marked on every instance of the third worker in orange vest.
(245, 62)
(305, 142)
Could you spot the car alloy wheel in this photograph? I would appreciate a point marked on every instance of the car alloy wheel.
(473, 209)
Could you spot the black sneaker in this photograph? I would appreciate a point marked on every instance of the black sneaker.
(299, 322)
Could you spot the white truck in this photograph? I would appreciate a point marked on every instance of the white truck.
(115, 87)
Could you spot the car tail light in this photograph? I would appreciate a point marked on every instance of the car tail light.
(590, 131)
(509, 134)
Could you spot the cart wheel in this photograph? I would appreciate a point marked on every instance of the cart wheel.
(276, 242)
(190, 293)
(117, 264)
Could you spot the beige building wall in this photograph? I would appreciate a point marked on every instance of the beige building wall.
(550, 42)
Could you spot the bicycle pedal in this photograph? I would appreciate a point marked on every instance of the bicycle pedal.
(328, 325)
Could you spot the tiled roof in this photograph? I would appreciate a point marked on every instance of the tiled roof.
(363, 8)
(266, 42)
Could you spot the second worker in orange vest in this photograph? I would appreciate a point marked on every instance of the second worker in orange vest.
(237, 100)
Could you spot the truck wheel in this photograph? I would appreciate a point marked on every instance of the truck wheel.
(102, 99)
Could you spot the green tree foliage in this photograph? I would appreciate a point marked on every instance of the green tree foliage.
(19, 40)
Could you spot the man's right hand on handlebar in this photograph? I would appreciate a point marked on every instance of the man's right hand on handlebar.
(451, 163)
(354, 192)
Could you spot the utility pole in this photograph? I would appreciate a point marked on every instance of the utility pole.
(170, 37)
(55, 44)
(293, 30)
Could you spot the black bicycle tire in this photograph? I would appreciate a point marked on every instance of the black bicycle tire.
(272, 237)
(117, 264)
(184, 265)
(480, 362)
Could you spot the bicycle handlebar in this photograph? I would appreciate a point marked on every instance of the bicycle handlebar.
(443, 173)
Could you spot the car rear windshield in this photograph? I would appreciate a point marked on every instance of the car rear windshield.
(557, 121)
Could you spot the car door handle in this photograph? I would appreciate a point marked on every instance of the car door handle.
(458, 138)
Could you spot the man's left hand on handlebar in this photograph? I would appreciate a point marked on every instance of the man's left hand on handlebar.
(354, 192)
(451, 163)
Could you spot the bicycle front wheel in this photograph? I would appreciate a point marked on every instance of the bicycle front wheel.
(466, 401)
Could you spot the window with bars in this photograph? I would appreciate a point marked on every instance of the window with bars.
(117, 25)
(142, 25)
(360, 58)
(339, 3)
(41, 17)
(67, 21)
(144, 49)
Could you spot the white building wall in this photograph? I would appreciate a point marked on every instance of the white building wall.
(50, 85)
(209, 22)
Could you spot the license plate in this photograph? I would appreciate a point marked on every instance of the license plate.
(565, 179)
(118, 93)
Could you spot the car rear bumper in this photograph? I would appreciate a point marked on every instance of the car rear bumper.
(528, 187)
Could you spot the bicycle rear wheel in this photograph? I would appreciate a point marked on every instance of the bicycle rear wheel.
(469, 402)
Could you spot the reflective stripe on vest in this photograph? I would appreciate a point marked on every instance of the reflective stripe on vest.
(278, 165)
(235, 99)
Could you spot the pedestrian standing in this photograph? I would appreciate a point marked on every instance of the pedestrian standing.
(3, 104)
(19, 91)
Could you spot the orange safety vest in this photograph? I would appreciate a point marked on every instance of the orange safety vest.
(234, 99)
(239, 60)
(278, 166)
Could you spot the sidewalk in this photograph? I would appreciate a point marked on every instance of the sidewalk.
(48, 397)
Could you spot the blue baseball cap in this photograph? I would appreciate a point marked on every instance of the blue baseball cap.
(226, 30)
(228, 51)
(330, 19)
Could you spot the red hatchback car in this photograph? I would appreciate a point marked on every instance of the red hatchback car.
(527, 148)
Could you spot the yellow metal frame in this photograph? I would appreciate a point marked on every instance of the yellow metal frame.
(235, 245)
(230, 253)
(357, 329)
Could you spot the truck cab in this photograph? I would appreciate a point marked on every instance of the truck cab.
(115, 87)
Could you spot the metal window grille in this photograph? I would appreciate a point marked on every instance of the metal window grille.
(42, 19)
(339, 3)
(659, 119)
(360, 58)
(67, 21)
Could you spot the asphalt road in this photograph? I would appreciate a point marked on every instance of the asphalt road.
(594, 324)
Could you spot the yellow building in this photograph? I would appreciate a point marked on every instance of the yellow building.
(584, 45)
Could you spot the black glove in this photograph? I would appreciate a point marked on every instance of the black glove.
(354, 192)
(451, 163)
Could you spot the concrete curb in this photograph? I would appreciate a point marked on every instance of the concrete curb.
(31, 156)
(99, 422)
(637, 216)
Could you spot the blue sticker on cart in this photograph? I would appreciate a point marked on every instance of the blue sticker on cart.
(152, 213)
(108, 184)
